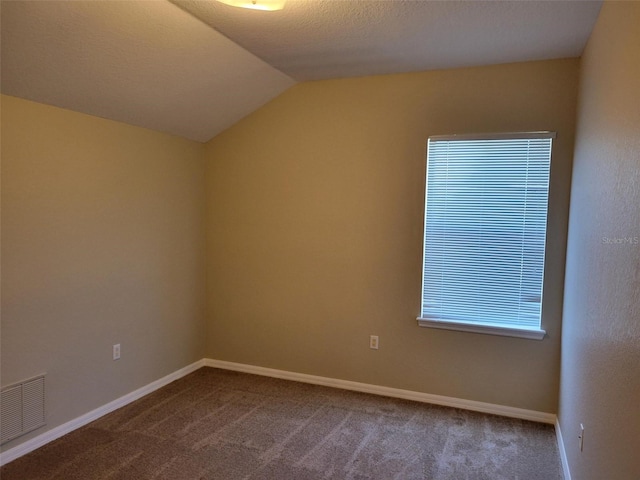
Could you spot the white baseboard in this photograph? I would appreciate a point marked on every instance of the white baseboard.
(491, 408)
(48, 436)
(563, 453)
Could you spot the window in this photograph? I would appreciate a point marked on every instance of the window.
(485, 230)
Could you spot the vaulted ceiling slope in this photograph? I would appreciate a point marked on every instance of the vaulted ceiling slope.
(195, 67)
(145, 63)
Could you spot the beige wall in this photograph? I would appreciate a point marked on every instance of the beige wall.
(315, 207)
(600, 380)
(102, 243)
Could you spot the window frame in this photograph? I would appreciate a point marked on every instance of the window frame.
(487, 327)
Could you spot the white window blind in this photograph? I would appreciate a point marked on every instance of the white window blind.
(485, 231)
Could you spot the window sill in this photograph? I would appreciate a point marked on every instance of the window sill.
(530, 333)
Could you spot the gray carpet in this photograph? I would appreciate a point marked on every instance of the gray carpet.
(216, 424)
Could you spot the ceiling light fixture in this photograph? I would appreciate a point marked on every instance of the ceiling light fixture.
(267, 5)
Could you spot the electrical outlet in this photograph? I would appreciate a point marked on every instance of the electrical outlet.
(116, 351)
(373, 342)
(581, 436)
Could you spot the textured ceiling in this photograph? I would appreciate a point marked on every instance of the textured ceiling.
(319, 39)
(195, 67)
(146, 63)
